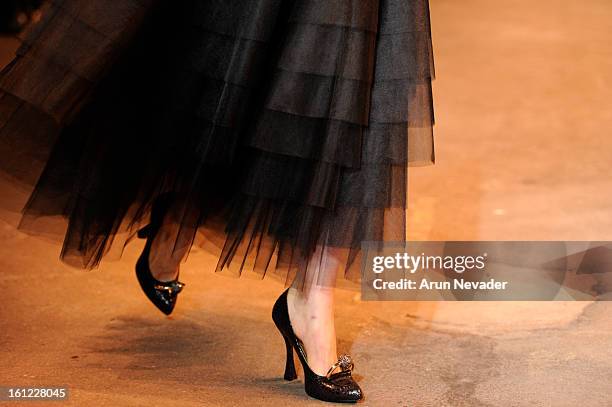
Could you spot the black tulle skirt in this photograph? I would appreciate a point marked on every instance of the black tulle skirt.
(280, 131)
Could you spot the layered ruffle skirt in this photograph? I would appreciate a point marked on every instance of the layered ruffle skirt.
(280, 131)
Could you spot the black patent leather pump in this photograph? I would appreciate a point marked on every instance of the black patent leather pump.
(163, 294)
(337, 385)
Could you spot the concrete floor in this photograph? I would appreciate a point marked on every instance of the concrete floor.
(523, 152)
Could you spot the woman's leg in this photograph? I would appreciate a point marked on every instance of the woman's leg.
(164, 261)
(169, 246)
(311, 310)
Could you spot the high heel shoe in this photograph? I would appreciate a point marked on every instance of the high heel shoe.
(337, 385)
(163, 294)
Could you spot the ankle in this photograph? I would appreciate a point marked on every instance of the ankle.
(316, 301)
(306, 314)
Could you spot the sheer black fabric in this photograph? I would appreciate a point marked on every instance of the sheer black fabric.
(281, 130)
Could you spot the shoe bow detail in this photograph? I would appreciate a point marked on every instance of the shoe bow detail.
(171, 287)
(344, 363)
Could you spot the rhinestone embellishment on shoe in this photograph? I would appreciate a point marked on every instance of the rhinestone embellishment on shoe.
(345, 363)
(171, 288)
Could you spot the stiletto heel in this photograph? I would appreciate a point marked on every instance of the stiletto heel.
(163, 294)
(290, 373)
(336, 386)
